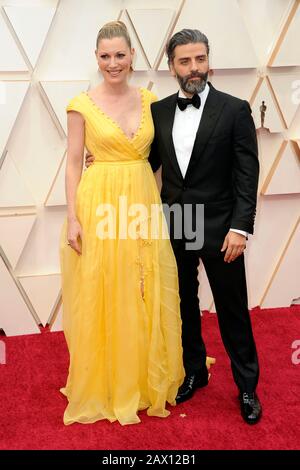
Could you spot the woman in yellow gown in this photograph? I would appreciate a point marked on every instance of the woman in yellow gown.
(121, 311)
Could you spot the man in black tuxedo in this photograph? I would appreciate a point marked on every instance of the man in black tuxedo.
(205, 142)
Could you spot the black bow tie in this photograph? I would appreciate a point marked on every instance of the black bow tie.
(184, 102)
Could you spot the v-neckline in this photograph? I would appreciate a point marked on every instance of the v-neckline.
(115, 123)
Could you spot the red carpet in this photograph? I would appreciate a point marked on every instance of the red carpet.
(31, 406)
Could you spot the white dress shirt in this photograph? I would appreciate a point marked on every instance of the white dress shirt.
(186, 124)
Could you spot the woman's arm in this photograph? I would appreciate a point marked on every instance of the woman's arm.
(73, 174)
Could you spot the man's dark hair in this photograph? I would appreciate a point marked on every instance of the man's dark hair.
(185, 36)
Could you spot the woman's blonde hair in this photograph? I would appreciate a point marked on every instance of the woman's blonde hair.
(114, 29)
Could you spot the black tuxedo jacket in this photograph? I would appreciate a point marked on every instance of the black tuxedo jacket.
(223, 168)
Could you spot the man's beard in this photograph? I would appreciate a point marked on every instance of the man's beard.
(195, 86)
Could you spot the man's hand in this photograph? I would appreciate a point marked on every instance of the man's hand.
(234, 245)
(89, 160)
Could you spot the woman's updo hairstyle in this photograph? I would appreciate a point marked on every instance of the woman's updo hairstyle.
(114, 29)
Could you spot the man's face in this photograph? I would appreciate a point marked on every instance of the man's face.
(190, 66)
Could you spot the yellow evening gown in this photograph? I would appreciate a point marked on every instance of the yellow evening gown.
(121, 315)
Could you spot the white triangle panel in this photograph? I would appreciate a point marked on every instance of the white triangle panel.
(289, 52)
(240, 83)
(68, 51)
(57, 196)
(31, 24)
(60, 93)
(163, 65)
(12, 96)
(15, 318)
(13, 190)
(286, 178)
(273, 121)
(285, 285)
(284, 86)
(268, 147)
(211, 17)
(139, 61)
(204, 293)
(41, 253)
(264, 20)
(58, 323)
(274, 222)
(11, 59)
(42, 292)
(38, 161)
(294, 130)
(14, 232)
(145, 22)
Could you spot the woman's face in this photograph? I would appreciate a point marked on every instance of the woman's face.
(114, 59)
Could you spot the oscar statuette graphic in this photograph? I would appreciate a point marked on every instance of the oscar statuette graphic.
(263, 109)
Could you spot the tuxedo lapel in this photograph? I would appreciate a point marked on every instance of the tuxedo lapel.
(211, 112)
(166, 124)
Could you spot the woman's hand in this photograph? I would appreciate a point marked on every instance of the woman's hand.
(74, 235)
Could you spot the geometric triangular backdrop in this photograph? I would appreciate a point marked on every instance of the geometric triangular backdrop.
(58, 322)
(227, 81)
(12, 96)
(11, 59)
(264, 19)
(284, 285)
(15, 318)
(273, 121)
(269, 146)
(285, 174)
(42, 292)
(205, 294)
(60, 93)
(283, 84)
(37, 161)
(57, 193)
(32, 39)
(209, 18)
(140, 62)
(10, 178)
(151, 26)
(274, 222)
(14, 232)
(289, 51)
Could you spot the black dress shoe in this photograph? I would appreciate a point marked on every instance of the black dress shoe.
(190, 384)
(250, 407)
